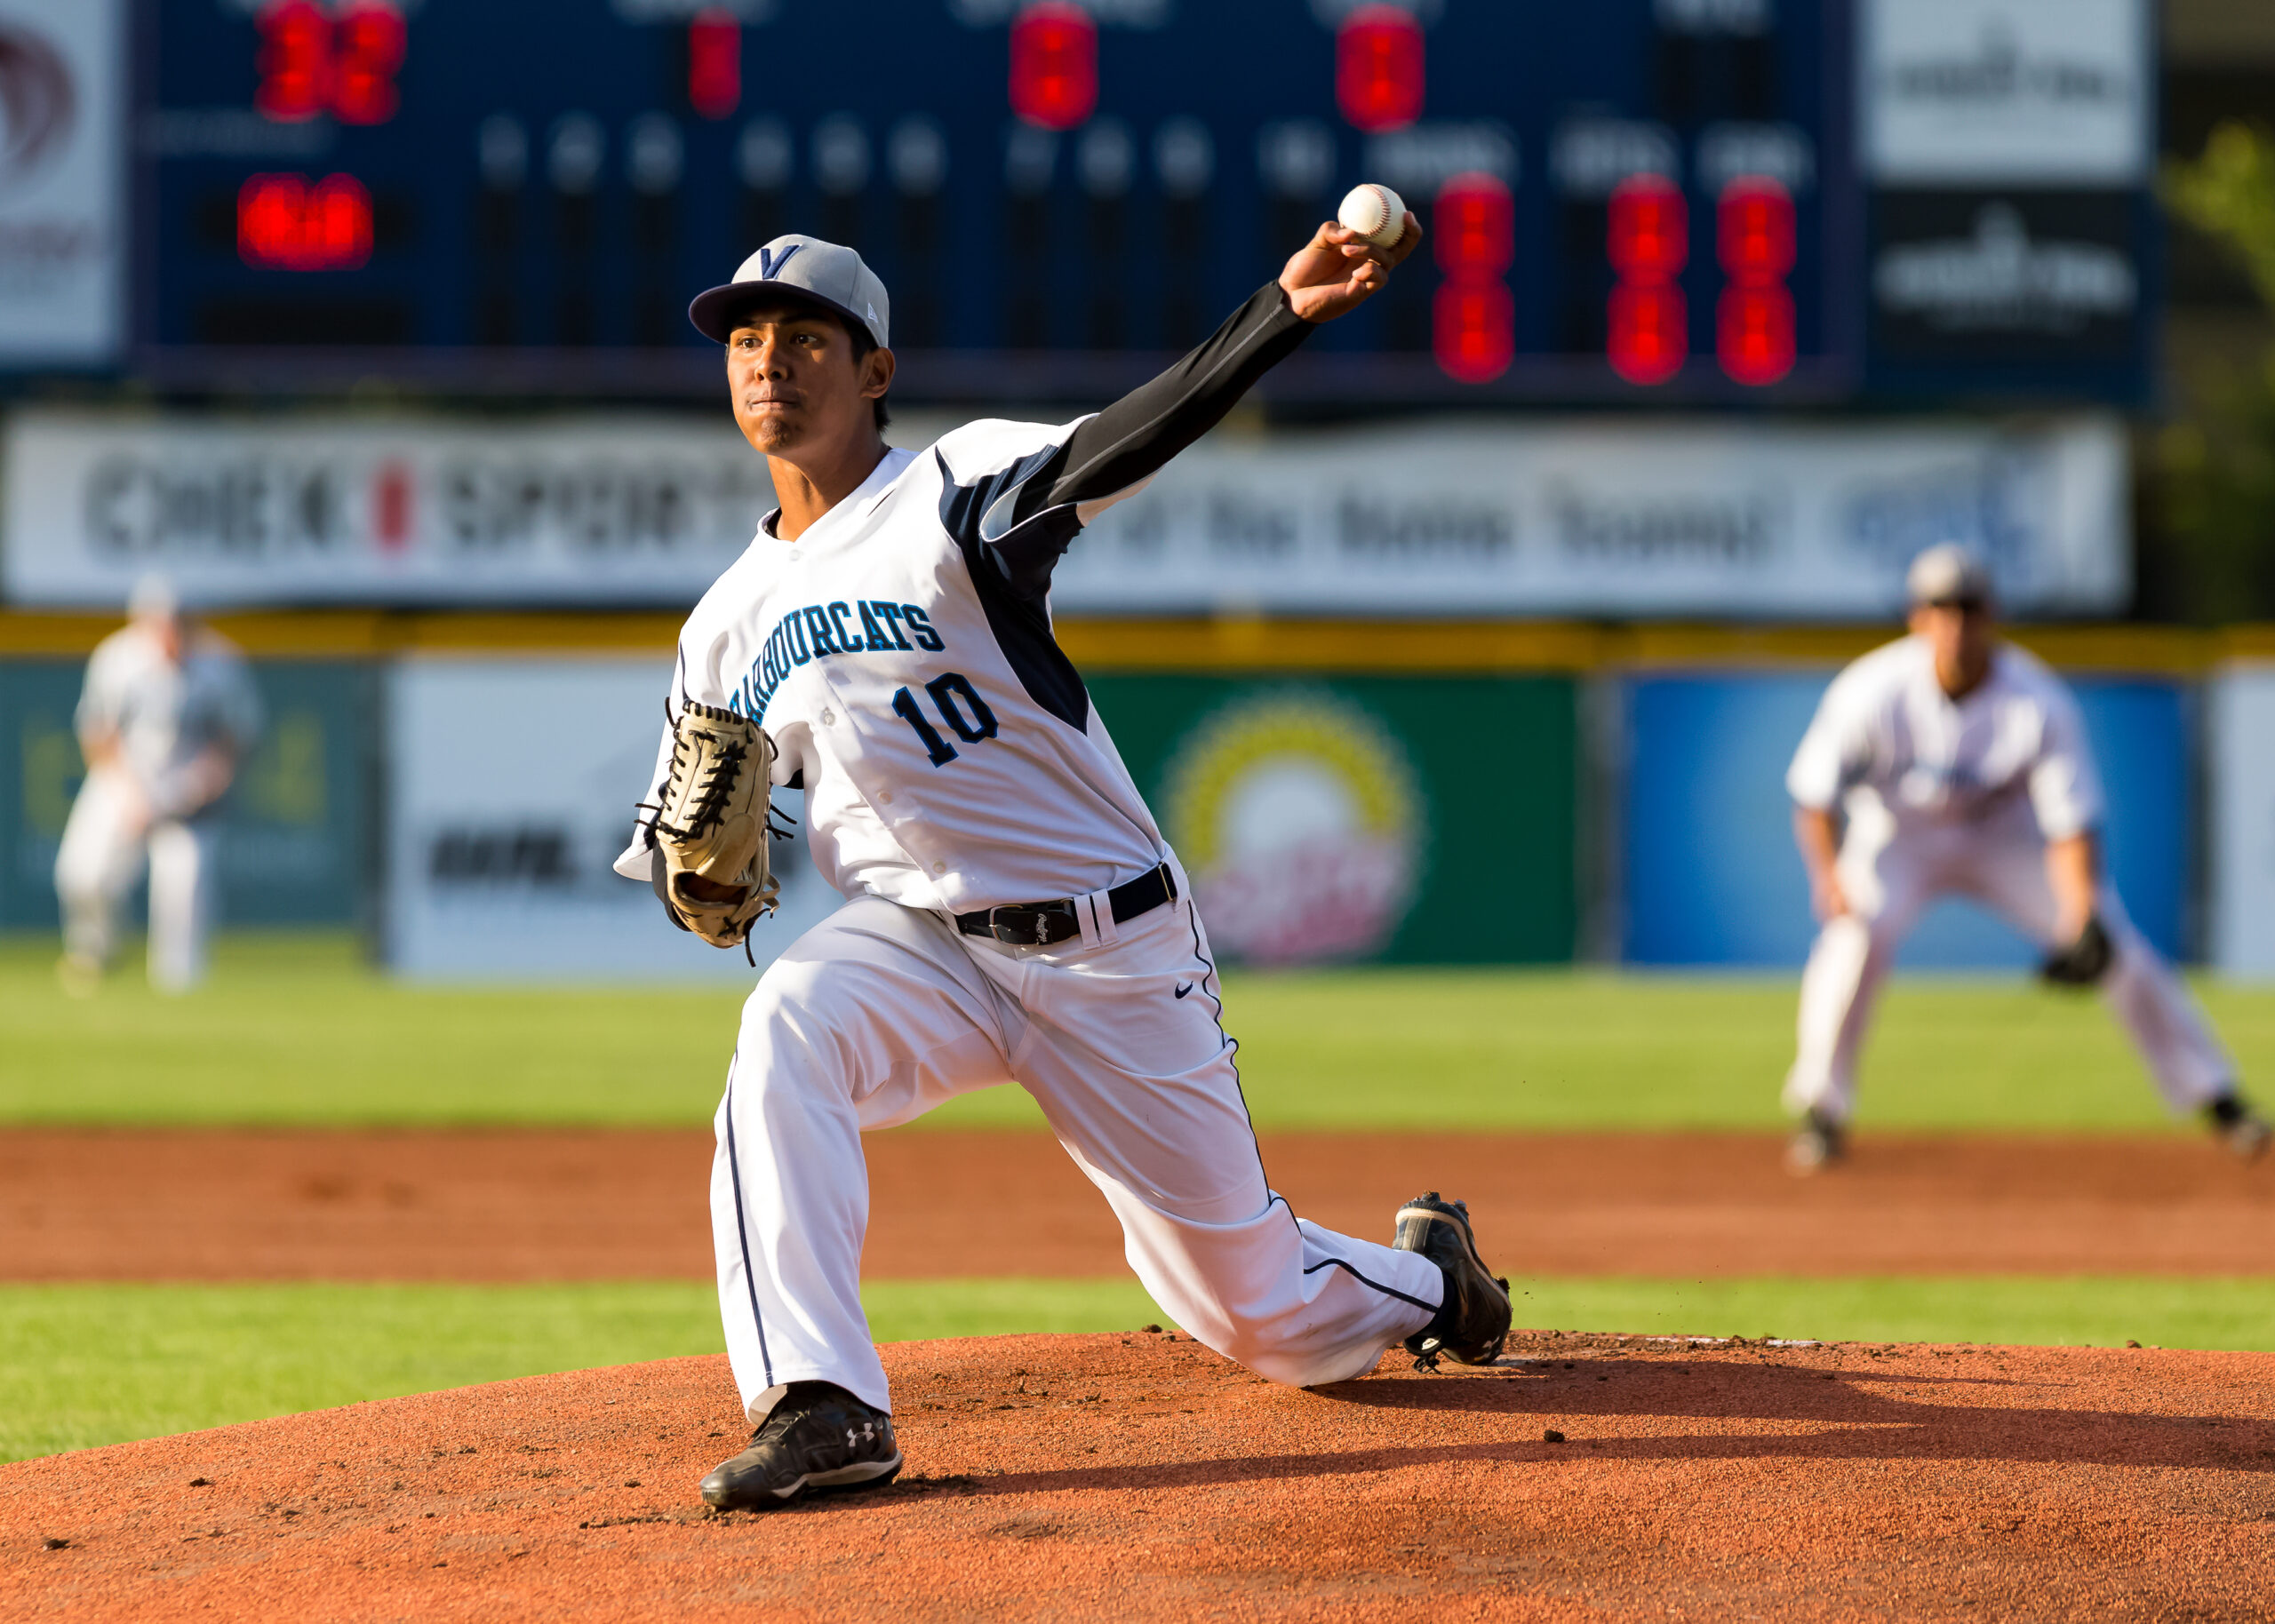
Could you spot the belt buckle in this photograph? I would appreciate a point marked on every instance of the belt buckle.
(1038, 918)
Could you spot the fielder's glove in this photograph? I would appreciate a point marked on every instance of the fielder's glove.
(711, 828)
(2084, 962)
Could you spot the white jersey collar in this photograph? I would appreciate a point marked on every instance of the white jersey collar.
(889, 467)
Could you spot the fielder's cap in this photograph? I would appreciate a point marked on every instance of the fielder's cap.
(153, 598)
(805, 269)
(1948, 573)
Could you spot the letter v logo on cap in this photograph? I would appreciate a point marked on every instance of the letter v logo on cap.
(769, 267)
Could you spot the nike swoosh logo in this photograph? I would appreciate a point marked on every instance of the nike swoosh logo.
(1181, 991)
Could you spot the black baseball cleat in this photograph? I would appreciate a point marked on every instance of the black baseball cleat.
(1816, 1145)
(1472, 1321)
(2242, 1130)
(817, 1439)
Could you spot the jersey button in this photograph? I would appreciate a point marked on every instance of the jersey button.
(885, 799)
(939, 868)
(829, 719)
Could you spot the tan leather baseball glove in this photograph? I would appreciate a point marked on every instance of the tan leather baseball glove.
(711, 829)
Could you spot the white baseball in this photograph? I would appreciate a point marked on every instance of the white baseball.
(1374, 213)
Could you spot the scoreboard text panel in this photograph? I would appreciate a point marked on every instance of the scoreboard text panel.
(1632, 200)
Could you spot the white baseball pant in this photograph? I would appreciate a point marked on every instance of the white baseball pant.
(106, 842)
(1890, 871)
(881, 1012)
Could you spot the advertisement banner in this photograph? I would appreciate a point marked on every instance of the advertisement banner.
(1462, 518)
(2011, 276)
(295, 832)
(1421, 820)
(1709, 870)
(2243, 821)
(242, 512)
(2054, 92)
(62, 181)
(1746, 520)
(511, 787)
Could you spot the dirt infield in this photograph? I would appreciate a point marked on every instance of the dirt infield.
(566, 1205)
(1141, 1477)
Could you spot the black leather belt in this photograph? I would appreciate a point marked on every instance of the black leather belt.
(1041, 924)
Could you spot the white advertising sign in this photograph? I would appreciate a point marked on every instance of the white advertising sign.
(2243, 821)
(1471, 517)
(1725, 518)
(62, 181)
(1964, 91)
(511, 786)
(321, 510)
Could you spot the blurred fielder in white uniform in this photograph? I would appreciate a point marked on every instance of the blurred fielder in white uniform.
(168, 712)
(1963, 767)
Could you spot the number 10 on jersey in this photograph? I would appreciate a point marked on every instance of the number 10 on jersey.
(963, 710)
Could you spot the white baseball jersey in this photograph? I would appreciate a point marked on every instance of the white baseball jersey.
(163, 713)
(1960, 797)
(1886, 733)
(949, 750)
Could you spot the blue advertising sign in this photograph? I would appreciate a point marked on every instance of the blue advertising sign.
(1711, 875)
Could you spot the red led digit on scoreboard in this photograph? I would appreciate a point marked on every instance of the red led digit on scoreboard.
(1054, 65)
(1648, 236)
(368, 41)
(1474, 318)
(285, 223)
(1379, 63)
(343, 62)
(715, 62)
(1753, 320)
(294, 60)
(1648, 240)
(1474, 329)
(1474, 226)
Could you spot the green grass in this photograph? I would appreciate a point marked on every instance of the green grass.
(297, 1030)
(87, 1365)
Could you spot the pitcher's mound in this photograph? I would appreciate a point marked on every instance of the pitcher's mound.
(1115, 1478)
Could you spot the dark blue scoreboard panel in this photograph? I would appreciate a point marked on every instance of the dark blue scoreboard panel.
(1641, 201)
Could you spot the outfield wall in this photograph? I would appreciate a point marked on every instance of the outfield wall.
(1464, 793)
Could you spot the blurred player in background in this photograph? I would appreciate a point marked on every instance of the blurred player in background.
(168, 712)
(1961, 766)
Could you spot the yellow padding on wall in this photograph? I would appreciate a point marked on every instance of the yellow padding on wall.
(1229, 644)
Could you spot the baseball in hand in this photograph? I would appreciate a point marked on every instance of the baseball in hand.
(1374, 213)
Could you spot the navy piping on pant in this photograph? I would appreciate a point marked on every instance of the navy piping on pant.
(1428, 1308)
(1226, 1040)
(742, 1231)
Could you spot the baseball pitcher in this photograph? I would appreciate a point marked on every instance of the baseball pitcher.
(885, 647)
(1961, 767)
(168, 712)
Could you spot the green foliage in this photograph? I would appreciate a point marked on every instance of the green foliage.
(2217, 469)
(2230, 194)
(296, 1030)
(86, 1364)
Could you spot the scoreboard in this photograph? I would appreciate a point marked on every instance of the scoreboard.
(1632, 201)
